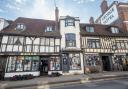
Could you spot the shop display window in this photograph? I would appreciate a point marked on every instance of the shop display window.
(27, 63)
(92, 60)
(23, 63)
(55, 63)
(75, 62)
(35, 63)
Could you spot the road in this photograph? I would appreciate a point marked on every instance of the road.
(111, 84)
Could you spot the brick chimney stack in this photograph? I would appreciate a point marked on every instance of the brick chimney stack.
(57, 18)
(104, 6)
(91, 20)
(57, 14)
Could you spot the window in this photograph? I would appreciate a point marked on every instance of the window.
(90, 29)
(75, 63)
(55, 63)
(114, 30)
(35, 63)
(121, 44)
(93, 43)
(27, 63)
(20, 26)
(19, 63)
(92, 60)
(23, 63)
(69, 22)
(49, 29)
(11, 64)
(70, 40)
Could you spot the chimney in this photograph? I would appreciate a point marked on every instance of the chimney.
(56, 14)
(57, 18)
(91, 20)
(104, 6)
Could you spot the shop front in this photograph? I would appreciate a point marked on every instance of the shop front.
(120, 62)
(72, 63)
(34, 65)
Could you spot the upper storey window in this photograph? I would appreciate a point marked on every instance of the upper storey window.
(114, 30)
(69, 22)
(70, 40)
(20, 26)
(90, 29)
(49, 29)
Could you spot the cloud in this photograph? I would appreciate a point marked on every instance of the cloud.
(83, 1)
(2, 11)
(40, 10)
(13, 7)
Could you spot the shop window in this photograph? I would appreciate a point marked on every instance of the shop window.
(19, 63)
(35, 63)
(70, 39)
(27, 63)
(93, 43)
(11, 64)
(75, 62)
(92, 60)
(55, 63)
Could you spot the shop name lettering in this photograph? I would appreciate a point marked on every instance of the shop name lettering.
(108, 16)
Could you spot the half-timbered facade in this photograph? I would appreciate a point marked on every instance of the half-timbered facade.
(30, 46)
(104, 47)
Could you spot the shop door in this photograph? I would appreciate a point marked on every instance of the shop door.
(65, 63)
(43, 66)
(106, 63)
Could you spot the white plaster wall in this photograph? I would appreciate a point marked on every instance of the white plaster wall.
(70, 29)
(37, 73)
(3, 24)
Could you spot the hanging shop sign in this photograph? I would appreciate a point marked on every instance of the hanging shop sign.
(110, 16)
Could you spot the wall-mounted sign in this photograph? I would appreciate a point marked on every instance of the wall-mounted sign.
(110, 16)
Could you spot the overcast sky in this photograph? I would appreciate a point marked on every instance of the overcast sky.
(44, 9)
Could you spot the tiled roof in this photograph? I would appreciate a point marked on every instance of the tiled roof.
(34, 27)
(101, 30)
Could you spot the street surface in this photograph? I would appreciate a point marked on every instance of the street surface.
(111, 84)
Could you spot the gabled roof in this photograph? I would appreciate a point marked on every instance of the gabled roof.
(101, 30)
(34, 27)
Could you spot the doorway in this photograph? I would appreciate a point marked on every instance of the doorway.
(44, 66)
(106, 63)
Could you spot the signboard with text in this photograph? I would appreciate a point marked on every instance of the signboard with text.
(110, 16)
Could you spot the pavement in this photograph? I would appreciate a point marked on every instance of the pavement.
(62, 80)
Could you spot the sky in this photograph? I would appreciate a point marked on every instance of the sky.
(44, 9)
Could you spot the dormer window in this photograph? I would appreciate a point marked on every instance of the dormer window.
(90, 29)
(69, 22)
(114, 30)
(49, 29)
(20, 26)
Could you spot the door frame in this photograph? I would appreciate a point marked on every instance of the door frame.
(41, 61)
(110, 60)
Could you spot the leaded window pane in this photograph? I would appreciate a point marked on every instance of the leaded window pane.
(27, 63)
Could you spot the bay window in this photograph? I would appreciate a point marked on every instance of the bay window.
(70, 39)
